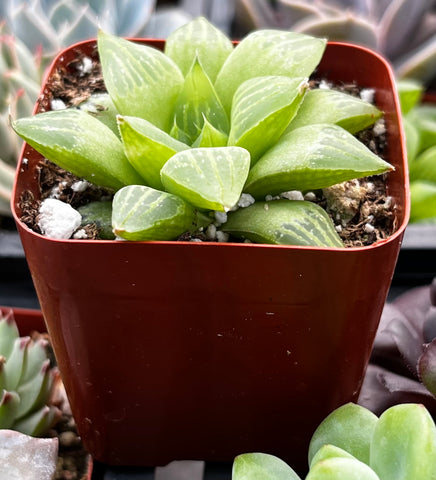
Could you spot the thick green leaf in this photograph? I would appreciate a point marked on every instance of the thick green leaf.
(403, 445)
(142, 213)
(409, 93)
(423, 117)
(197, 101)
(332, 106)
(412, 139)
(349, 427)
(147, 148)
(141, 80)
(424, 166)
(268, 52)
(100, 214)
(36, 356)
(261, 466)
(423, 201)
(262, 109)
(9, 403)
(8, 334)
(208, 178)
(39, 422)
(101, 106)
(283, 222)
(311, 157)
(329, 451)
(199, 38)
(338, 468)
(80, 144)
(15, 364)
(210, 137)
(427, 367)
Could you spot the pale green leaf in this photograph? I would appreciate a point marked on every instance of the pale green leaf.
(101, 106)
(329, 451)
(210, 137)
(332, 106)
(208, 178)
(197, 101)
(9, 402)
(423, 167)
(262, 109)
(37, 423)
(339, 468)
(36, 356)
(268, 52)
(311, 157)
(143, 213)
(410, 93)
(283, 222)
(15, 363)
(141, 80)
(8, 333)
(199, 38)
(147, 148)
(403, 445)
(423, 118)
(177, 133)
(80, 144)
(349, 427)
(423, 201)
(261, 466)
(412, 138)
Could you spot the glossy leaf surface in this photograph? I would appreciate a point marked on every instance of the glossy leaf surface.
(208, 178)
(101, 106)
(143, 213)
(341, 469)
(198, 101)
(210, 137)
(329, 451)
(423, 167)
(147, 148)
(283, 222)
(311, 157)
(261, 466)
(80, 144)
(403, 446)
(268, 52)
(262, 109)
(424, 118)
(409, 93)
(141, 80)
(349, 427)
(332, 106)
(201, 39)
(423, 205)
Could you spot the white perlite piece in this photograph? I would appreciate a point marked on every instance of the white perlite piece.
(57, 104)
(58, 219)
(367, 95)
(379, 127)
(79, 186)
(292, 195)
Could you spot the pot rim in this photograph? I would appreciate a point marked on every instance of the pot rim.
(399, 232)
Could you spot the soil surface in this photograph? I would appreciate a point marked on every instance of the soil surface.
(364, 201)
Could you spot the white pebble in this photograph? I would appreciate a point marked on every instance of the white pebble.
(222, 236)
(86, 66)
(310, 197)
(211, 232)
(58, 219)
(368, 228)
(292, 195)
(367, 95)
(80, 234)
(245, 200)
(324, 85)
(379, 127)
(220, 217)
(57, 104)
(79, 186)
(338, 228)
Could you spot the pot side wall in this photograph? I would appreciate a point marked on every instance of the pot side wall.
(175, 350)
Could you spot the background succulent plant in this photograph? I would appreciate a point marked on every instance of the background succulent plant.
(26, 380)
(403, 361)
(403, 30)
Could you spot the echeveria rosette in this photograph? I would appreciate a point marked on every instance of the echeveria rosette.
(26, 381)
(203, 123)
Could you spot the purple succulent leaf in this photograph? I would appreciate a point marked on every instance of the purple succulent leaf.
(427, 29)
(340, 28)
(430, 325)
(427, 367)
(293, 11)
(433, 292)
(255, 14)
(419, 63)
(414, 304)
(377, 8)
(382, 389)
(399, 23)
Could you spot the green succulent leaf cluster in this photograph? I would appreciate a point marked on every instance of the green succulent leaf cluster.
(354, 444)
(420, 129)
(204, 122)
(26, 381)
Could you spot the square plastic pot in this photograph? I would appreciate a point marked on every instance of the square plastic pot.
(178, 350)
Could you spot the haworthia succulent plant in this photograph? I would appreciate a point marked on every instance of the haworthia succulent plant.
(26, 379)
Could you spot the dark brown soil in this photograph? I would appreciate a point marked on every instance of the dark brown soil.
(374, 218)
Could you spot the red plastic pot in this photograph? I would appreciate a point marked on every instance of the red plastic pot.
(177, 350)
